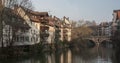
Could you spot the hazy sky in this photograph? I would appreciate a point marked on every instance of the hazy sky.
(98, 10)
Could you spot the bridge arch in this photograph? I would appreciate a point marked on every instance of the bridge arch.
(90, 43)
(99, 40)
(106, 43)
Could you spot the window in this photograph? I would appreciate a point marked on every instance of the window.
(27, 39)
(36, 39)
(21, 39)
(17, 39)
(31, 39)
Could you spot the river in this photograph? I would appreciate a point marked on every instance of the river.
(90, 55)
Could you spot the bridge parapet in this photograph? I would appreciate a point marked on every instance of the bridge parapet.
(99, 39)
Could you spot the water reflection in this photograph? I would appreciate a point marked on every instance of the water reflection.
(64, 57)
(92, 55)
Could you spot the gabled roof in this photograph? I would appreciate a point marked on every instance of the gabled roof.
(31, 13)
(66, 21)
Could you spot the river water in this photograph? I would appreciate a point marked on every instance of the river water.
(76, 55)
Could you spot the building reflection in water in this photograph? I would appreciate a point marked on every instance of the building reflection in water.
(91, 55)
(51, 58)
(67, 57)
(59, 57)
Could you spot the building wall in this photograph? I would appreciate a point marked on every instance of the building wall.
(115, 21)
(7, 35)
(37, 25)
(67, 29)
(61, 33)
(69, 34)
(51, 35)
(23, 36)
(29, 37)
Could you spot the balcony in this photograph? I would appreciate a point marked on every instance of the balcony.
(57, 36)
(65, 35)
(44, 34)
(67, 26)
(65, 38)
(58, 24)
(44, 20)
(34, 19)
(44, 28)
(51, 23)
(65, 31)
(57, 31)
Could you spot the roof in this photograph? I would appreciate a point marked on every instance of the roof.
(32, 13)
(116, 10)
(118, 13)
(39, 13)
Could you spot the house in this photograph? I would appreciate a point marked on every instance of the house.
(66, 29)
(20, 28)
(58, 29)
(51, 30)
(23, 26)
(116, 21)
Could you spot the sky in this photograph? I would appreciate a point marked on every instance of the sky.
(97, 10)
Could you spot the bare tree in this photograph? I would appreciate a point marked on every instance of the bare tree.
(81, 30)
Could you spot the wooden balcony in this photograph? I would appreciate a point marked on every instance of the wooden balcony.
(34, 19)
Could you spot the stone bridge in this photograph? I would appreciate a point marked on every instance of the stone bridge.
(99, 39)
